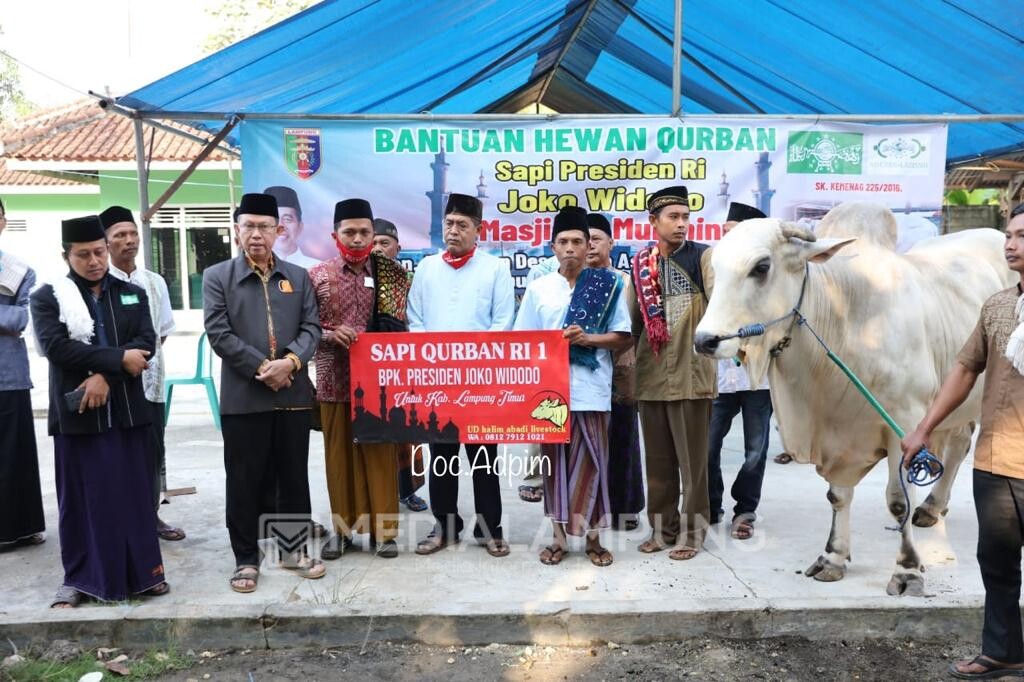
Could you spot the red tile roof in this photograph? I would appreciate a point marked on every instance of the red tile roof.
(84, 132)
(30, 179)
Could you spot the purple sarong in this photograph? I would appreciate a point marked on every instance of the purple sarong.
(108, 541)
(576, 475)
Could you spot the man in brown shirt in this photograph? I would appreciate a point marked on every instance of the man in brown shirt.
(362, 478)
(998, 464)
(674, 386)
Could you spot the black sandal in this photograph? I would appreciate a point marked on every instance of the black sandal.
(531, 493)
(991, 669)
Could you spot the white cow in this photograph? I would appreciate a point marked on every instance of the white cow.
(896, 320)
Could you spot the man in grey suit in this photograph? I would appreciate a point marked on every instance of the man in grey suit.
(262, 320)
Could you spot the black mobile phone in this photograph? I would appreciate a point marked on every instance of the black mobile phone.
(73, 399)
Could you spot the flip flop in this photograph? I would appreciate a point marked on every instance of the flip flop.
(309, 568)
(597, 556)
(245, 573)
(434, 543)
(742, 528)
(991, 670)
(554, 555)
(782, 458)
(497, 547)
(650, 546)
(683, 553)
(170, 533)
(531, 493)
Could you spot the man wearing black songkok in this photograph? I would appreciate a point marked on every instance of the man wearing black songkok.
(261, 318)
(96, 332)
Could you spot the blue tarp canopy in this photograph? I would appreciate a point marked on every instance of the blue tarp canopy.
(615, 56)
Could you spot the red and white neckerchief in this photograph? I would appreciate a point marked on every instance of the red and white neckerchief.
(457, 261)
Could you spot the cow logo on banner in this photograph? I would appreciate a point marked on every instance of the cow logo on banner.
(302, 151)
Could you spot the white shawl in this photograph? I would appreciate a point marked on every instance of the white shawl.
(73, 311)
(1015, 346)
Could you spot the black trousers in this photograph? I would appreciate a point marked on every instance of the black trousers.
(159, 452)
(266, 451)
(445, 470)
(999, 501)
(21, 496)
(405, 488)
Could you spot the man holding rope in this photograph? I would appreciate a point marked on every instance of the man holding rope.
(996, 347)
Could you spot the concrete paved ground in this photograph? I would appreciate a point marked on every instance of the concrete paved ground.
(461, 595)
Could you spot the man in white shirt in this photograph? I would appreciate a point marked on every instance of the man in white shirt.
(463, 289)
(123, 244)
(576, 475)
(287, 245)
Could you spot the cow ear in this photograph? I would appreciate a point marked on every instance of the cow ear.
(822, 250)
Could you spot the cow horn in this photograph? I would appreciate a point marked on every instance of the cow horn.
(794, 231)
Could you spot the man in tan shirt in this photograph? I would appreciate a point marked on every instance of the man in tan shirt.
(674, 386)
(998, 461)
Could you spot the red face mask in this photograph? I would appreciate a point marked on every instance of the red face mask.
(350, 255)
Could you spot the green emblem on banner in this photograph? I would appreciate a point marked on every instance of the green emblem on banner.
(302, 151)
(815, 152)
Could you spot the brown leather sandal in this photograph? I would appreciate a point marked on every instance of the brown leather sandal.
(242, 573)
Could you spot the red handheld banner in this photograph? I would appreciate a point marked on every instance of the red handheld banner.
(468, 387)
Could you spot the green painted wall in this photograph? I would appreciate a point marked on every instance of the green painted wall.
(122, 188)
(202, 187)
(64, 203)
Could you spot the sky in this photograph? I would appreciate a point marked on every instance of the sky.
(100, 44)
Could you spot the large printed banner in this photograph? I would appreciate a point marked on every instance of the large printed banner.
(523, 171)
(468, 387)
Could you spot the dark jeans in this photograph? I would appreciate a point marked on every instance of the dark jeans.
(999, 501)
(756, 407)
(444, 489)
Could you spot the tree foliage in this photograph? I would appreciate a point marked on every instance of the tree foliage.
(238, 19)
(13, 103)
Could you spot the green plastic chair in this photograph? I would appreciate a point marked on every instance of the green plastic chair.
(203, 375)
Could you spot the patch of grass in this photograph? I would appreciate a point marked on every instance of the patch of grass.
(156, 663)
(151, 664)
(35, 669)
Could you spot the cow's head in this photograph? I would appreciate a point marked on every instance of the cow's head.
(554, 411)
(759, 270)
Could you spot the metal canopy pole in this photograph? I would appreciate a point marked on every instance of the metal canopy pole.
(107, 104)
(180, 180)
(848, 118)
(143, 176)
(677, 60)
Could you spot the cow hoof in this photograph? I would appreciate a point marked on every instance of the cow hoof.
(924, 518)
(826, 571)
(905, 585)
